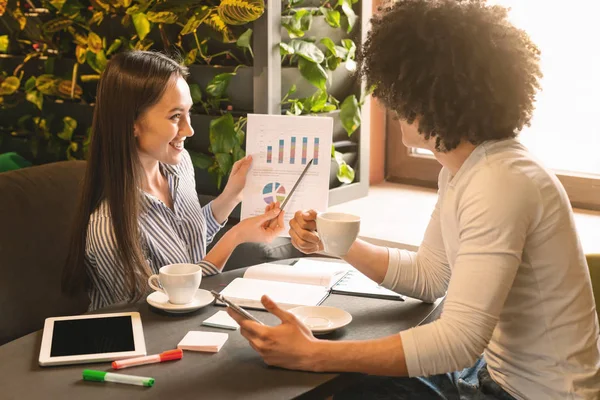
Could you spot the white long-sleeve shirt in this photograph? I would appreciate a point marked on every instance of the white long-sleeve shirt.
(502, 246)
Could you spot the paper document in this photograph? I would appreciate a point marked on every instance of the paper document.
(281, 146)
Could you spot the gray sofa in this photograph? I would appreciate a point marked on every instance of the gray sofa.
(37, 205)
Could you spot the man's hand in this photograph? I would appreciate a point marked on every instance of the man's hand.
(303, 232)
(289, 345)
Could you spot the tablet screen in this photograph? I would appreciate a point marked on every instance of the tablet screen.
(92, 336)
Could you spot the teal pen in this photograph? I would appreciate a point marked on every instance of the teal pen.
(101, 376)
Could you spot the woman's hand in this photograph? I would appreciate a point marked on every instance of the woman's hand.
(303, 231)
(262, 228)
(237, 179)
(232, 194)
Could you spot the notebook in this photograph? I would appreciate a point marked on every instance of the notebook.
(306, 283)
(203, 341)
(301, 284)
(350, 282)
(246, 292)
(355, 283)
(308, 272)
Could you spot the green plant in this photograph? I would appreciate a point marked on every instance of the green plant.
(214, 94)
(335, 55)
(321, 102)
(298, 20)
(314, 65)
(311, 61)
(308, 58)
(297, 23)
(43, 31)
(47, 141)
(220, 19)
(345, 173)
(226, 140)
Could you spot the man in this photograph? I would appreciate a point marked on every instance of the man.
(501, 243)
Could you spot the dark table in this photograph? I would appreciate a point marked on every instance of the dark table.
(235, 372)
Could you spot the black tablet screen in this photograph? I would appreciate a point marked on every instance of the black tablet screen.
(92, 336)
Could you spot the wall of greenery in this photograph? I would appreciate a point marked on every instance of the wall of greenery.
(52, 52)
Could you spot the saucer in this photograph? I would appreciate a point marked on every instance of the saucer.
(161, 301)
(322, 319)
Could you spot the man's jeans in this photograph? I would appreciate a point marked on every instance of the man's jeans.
(472, 383)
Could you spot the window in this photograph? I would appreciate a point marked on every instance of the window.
(565, 128)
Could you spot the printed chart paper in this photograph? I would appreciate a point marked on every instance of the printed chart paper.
(281, 146)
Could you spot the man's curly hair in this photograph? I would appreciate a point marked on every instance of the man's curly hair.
(458, 66)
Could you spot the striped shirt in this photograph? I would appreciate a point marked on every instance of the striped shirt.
(167, 236)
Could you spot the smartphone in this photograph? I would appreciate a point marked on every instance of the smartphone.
(235, 307)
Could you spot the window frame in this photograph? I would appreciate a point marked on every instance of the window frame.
(404, 166)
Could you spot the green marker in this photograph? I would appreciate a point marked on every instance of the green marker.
(101, 376)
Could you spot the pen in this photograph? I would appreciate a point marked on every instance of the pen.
(170, 355)
(101, 376)
(296, 184)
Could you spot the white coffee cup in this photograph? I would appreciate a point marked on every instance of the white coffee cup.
(337, 231)
(179, 282)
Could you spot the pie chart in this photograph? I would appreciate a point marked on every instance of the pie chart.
(273, 192)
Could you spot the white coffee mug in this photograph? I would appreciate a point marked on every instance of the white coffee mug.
(337, 231)
(179, 282)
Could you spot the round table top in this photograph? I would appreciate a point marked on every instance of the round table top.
(236, 371)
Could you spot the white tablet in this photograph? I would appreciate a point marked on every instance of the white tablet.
(92, 338)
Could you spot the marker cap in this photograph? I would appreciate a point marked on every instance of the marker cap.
(170, 355)
(91, 375)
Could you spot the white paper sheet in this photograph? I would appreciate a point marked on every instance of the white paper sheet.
(309, 275)
(248, 292)
(281, 146)
(221, 320)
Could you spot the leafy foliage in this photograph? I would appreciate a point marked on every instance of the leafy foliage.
(226, 141)
(70, 30)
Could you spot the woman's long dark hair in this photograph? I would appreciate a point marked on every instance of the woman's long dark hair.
(132, 82)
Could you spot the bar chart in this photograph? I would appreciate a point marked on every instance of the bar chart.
(293, 151)
(281, 147)
(281, 143)
(291, 145)
(304, 145)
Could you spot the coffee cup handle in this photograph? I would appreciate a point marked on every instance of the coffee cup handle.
(153, 285)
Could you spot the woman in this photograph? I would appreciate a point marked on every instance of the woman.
(139, 208)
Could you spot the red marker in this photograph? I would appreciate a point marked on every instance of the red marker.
(162, 357)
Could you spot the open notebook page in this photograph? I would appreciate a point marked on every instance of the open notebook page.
(321, 274)
(351, 282)
(247, 293)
